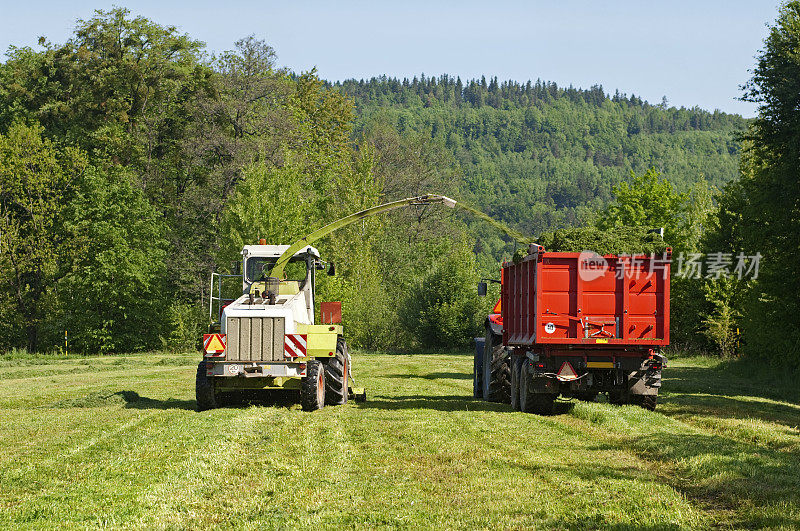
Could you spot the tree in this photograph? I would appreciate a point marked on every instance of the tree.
(761, 211)
(113, 295)
(36, 180)
(646, 201)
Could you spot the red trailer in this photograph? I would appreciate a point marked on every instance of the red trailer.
(578, 324)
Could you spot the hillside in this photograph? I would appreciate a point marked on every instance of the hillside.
(539, 156)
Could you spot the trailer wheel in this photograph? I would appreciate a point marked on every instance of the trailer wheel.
(618, 397)
(530, 402)
(336, 370)
(586, 396)
(204, 389)
(312, 391)
(496, 369)
(646, 401)
(516, 367)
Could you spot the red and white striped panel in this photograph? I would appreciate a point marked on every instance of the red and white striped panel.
(294, 345)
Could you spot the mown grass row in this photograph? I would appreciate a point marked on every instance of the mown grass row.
(115, 441)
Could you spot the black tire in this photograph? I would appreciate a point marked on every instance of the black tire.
(645, 401)
(496, 369)
(204, 389)
(477, 374)
(312, 390)
(530, 402)
(618, 397)
(516, 367)
(336, 377)
(586, 396)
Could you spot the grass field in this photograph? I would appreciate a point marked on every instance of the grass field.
(115, 442)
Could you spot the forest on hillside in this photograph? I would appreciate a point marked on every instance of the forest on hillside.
(133, 164)
(540, 157)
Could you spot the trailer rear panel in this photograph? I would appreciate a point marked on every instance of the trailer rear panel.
(553, 298)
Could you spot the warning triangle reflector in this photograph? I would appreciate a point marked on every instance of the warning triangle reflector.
(566, 372)
(214, 344)
(496, 308)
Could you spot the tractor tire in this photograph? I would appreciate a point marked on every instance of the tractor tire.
(312, 387)
(530, 402)
(336, 376)
(477, 374)
(516, 367)
(204, 389)
(496, 370)
(645, 401)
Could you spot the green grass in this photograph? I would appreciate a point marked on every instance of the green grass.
(115, 442)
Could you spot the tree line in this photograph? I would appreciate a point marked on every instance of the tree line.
(133, 164)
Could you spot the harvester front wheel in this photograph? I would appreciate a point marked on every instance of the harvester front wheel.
(336, 376)
(496, 369)
(204, 389)
(312, 391)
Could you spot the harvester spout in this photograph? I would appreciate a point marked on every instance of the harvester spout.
(431, 199)
(426, 199)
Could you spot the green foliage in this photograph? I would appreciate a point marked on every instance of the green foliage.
(760, 212)
(540, 157)
(617, 240)
(442, 309)
(112, 295)
(185, 325)
(36, 180)
(721, 323)
(270, 203)
(646, 201)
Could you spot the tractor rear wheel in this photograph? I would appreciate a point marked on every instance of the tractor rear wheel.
(496, 369)
(477, 374)
(204, 389)
(336, 376)
(312, 390)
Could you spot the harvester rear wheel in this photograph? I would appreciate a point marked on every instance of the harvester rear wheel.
(204, 389)
(529, 401)
(336, 375)
(496, 369)
(312, 391)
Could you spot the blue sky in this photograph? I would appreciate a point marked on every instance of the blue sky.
(694, 53)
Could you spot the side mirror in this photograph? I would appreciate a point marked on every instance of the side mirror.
(236, 267)
(482, 289)
(318, 265)
(332, 269)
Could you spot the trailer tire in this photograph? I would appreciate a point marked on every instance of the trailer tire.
(516, 367)
(312, 390)
(336, 376)
(618, 397)
(204, 389)
(496, 369)
(529, 401)
(645, 401)
(586, 396)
